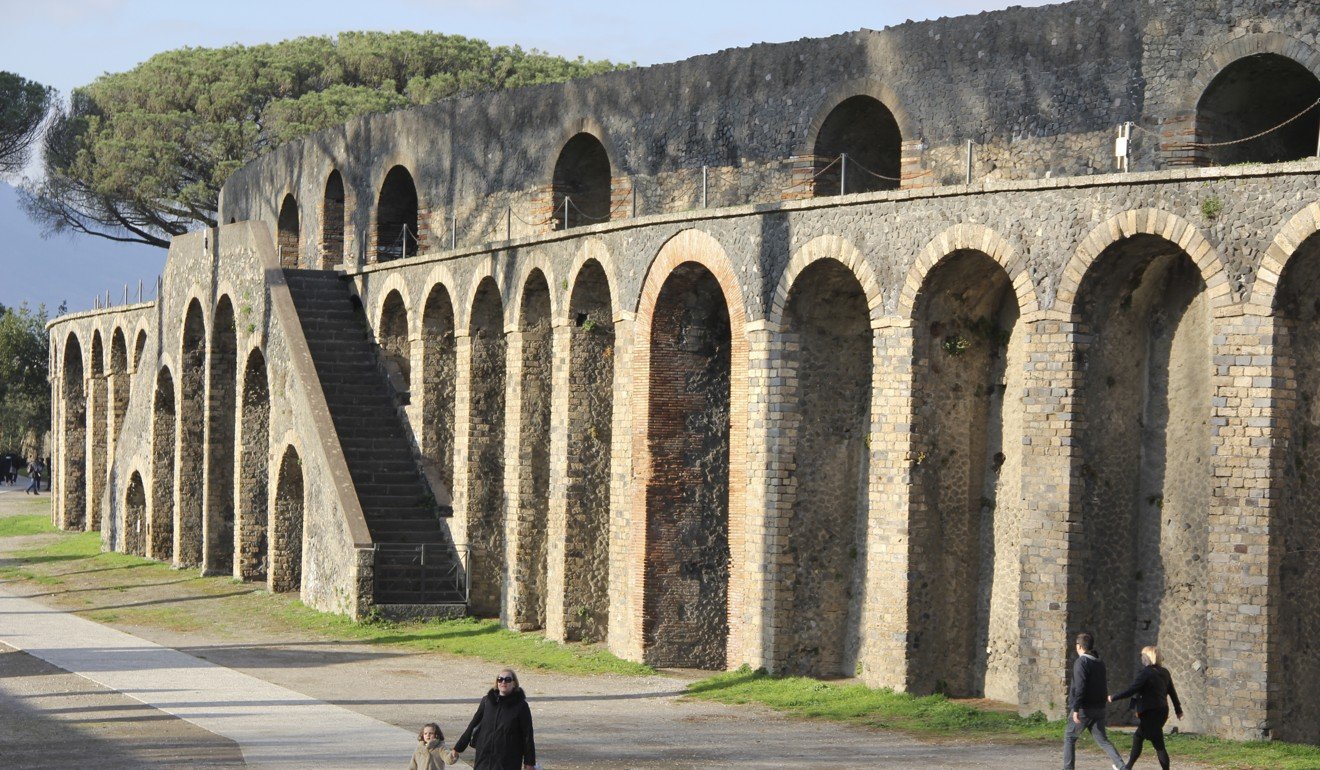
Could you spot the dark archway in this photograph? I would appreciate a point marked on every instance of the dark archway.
(288, 243)
(396, 216)
(530, 565)
(685, 610)
(191, 439)
(486, 522)
(863, 129)
(254, 469)
(139, 348)
(73, 476)
(160, 526)
(582, 176)
(287, 531)
(1295, 529)
(1145, 387)
(439, 375)
(332, 221)
(590, 432)
(135, 517)
(822, 561)
(220, 441)
(97, 428)
(393, 341)
(965, 538)
(119, 386)
(1255, 94)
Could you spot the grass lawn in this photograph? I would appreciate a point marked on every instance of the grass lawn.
(935, 716)
(128, 590)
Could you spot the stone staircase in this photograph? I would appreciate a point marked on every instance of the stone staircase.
(416, 560)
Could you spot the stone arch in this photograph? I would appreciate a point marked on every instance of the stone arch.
(139, 348)
(969, 237)
(97, 427)
(221, 414)
(582, 177)
(840, 250)
(439, 381)
(119, 385)
(253, 541)
(592, 250)
(964, 523)
(530, 268)
(191, 438)
(1250, 85)
(397, 216)
(393, 338)
(287, 532)
(485, 471)
(691, 314)
(858, 149)
(333, 220)
(73, 473)
(1127, 224)
(591, 372)
(289, 241)
(160, 525)
(530, 563)
(135, 517)
(824, 360)
(1294, 258)
(1143, 315)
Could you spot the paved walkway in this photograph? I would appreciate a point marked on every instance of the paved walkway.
(274, 727)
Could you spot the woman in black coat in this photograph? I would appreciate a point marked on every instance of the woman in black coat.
(501, 730)
(1150, 695)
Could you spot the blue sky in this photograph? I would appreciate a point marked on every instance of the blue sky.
(67, 43)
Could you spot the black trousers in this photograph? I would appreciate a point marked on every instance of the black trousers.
(1150, 727)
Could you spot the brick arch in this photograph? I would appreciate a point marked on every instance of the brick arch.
(840, 250)
(553, 283)
(395, 282)
(967, 237)
(1302, 225)
(1221, 56)
(591, 249)
(571, 128)
(463, 312)
(379, 173)
(871, 87)
(1170, 227)
(698, 247)
(439, 277)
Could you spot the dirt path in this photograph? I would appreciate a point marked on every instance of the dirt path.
(590, 722)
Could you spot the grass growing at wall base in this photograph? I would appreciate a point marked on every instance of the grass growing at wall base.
(935, 716)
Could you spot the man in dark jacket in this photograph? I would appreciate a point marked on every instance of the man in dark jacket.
(501, 730)
(1087, 698)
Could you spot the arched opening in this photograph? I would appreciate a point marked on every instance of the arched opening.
(533, 505)
(1295, 529)
(332, 221)
(191, 439)
(160, 527)
(965, 532)
(396, 216)
(590, 433)
(287, 532)
(486, 452)
(864, 130)
(139, 347)
(1143, 462)
(253, 468)
(97, 428)
(822, 558)
(439, 375)
(135, 517)
(288, 244)
(220, 440)
(582, 180)
(1253, 95)
(393, 341)
(687, 500)
(73, 476)
(118, 386)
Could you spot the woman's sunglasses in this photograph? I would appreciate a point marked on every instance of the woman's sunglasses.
(504, 680)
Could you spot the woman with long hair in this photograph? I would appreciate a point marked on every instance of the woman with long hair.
(1151, 692)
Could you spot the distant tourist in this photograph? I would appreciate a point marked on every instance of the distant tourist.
(501, 730)
(34, 477)
(1088, 698)
(431, 753)
(1150, 694)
